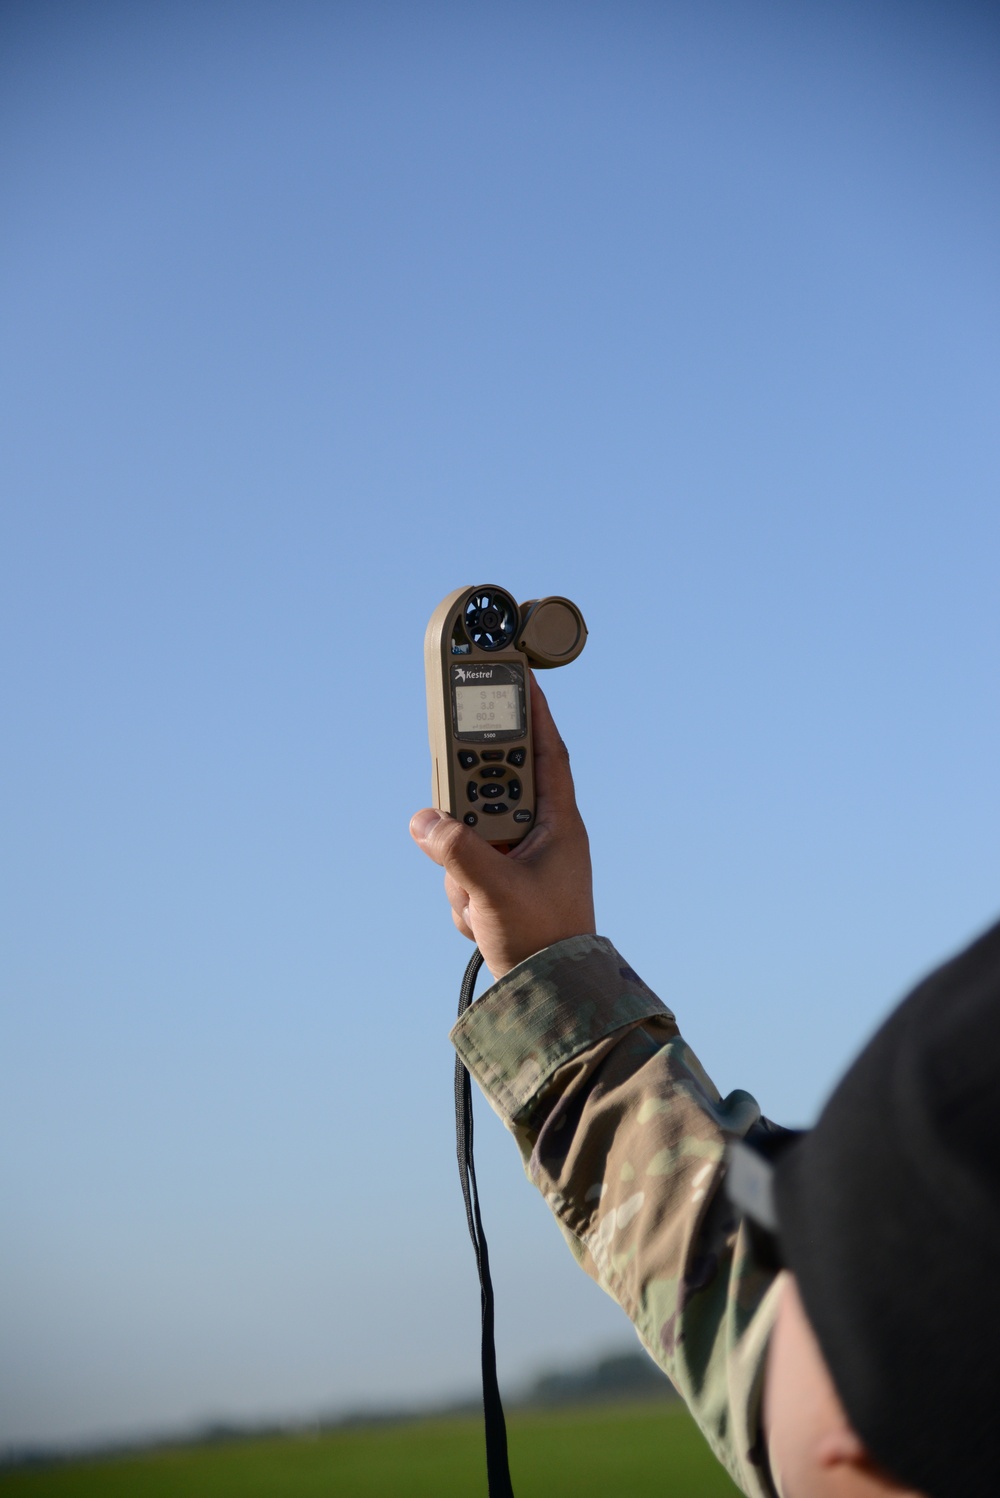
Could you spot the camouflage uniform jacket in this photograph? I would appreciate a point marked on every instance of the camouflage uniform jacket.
(624, 1135)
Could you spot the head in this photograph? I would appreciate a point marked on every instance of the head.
(886, 1217)
(814, 1450)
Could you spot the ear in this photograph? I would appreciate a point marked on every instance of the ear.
(841, 1447)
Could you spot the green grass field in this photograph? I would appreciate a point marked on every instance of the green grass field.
(608, 1451)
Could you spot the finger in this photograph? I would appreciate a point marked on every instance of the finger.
(461, 924)
(457, 896)
(553, 777)
(470, 860)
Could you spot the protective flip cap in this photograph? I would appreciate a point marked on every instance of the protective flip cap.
(552, 632)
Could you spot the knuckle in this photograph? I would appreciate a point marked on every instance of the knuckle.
(450, 836)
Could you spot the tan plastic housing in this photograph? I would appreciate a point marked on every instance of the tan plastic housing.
(543, 633)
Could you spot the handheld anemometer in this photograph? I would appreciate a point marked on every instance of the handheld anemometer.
(477, 649)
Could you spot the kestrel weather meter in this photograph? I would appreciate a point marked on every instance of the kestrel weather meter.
(477, 650)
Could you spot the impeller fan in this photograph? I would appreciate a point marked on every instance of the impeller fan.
(490, 618)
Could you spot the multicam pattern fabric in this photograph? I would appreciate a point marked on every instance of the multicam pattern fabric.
(624, 1135)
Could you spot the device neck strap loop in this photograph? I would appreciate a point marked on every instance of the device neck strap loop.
(497, 1468)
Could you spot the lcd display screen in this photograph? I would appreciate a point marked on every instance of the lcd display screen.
(494, 708)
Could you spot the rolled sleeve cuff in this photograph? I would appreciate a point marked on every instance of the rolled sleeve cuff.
(544, 1012)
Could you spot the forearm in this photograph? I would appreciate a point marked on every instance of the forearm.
(624, 1135)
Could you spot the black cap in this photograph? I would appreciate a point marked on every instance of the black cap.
(888, 1214)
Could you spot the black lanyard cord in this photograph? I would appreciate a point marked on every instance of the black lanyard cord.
(497, 1469)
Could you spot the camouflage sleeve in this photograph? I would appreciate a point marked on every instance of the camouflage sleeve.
(624, 1134)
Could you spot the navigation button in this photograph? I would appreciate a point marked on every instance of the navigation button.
(493, 772)
(514, 790)
(492, 791)
(495, 807)
(472, 791)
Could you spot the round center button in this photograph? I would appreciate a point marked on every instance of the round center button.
(491, 790)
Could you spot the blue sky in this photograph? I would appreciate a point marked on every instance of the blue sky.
(312, 314)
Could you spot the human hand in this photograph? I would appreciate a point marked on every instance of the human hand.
(514, 904)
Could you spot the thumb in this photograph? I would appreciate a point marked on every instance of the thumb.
(456, 848)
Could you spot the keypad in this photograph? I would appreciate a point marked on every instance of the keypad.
(494, 791)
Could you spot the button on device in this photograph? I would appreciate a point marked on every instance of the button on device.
(470, 819)
(514, 790)
(495, 807)
(472, 791)
(492, 772)
(467, 758)
(519, 816)
(492, 754)
(492, 790)
(515, 758)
